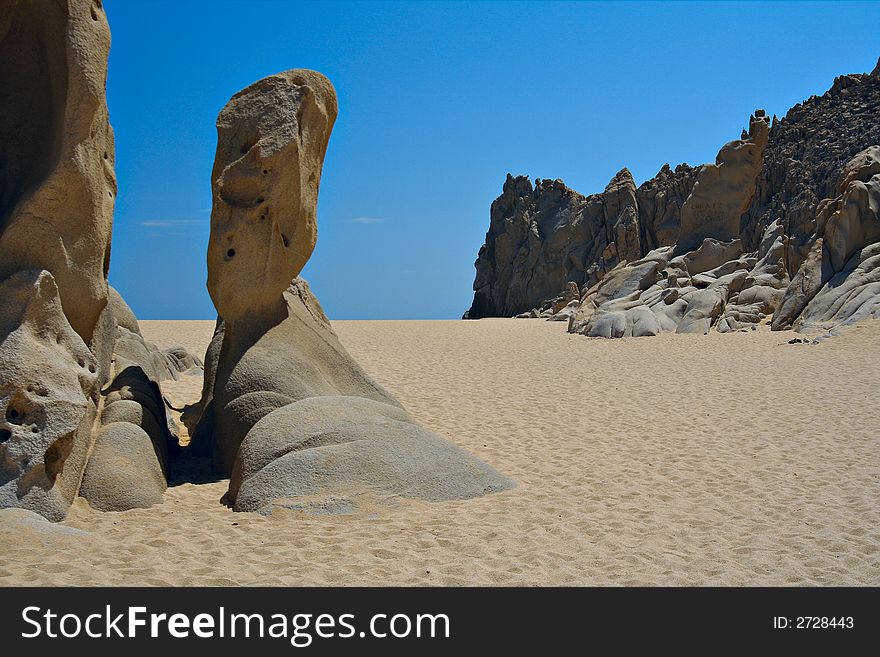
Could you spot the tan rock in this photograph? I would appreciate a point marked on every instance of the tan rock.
(271, 140)
(724, 190)
(124, 315)
(57, 199)
(56, 204)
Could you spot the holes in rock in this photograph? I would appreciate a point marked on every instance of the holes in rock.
(13, 416)
(56, 455)
(248, 145)
(35, 430)
(265, 171)
(260, 200)
(92, 369)
(230, 253)
(285, 240)
(94, 14)
(5, 434)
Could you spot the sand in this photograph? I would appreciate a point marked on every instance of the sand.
(674, 460)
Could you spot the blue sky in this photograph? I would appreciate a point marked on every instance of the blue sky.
(437, 103)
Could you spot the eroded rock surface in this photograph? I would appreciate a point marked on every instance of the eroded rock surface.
(48, 397)
(59, 186)
(56, 204)
(281, 393)
(724, 190)
(72, 360)
(839, 280)
(271, 140)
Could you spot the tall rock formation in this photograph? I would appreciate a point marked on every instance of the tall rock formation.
(286, 410)
(59, 187)
(806, 154)
(56, 209)
(78, 390)
(839, 280)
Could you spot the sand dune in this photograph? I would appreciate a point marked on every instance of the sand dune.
(723, 459)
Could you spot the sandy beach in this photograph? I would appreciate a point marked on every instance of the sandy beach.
(672, 460)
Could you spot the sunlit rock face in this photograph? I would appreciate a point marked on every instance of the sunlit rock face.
(59, 187)
(271, 141)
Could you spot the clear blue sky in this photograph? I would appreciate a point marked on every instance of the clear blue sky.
(437, 103)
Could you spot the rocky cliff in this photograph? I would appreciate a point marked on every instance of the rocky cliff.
(544, 236)
(770, 183)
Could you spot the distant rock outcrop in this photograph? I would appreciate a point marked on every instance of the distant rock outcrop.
(805, 159)
(542, 237)
(784, 222)
(285, 409)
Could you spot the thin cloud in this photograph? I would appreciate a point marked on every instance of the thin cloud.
(170, 223)
(367, 220)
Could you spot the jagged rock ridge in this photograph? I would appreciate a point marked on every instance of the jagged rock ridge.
(544, 236)
(754, 215)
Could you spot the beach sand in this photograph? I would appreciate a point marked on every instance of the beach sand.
(674, 460)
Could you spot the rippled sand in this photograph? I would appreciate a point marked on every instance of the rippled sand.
(721, 459)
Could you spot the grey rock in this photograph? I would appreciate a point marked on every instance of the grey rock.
(835, 284)
(21, 521)
(805, 161)
(336, 446)
(124, 471)
(48, 380)
(771, 204)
